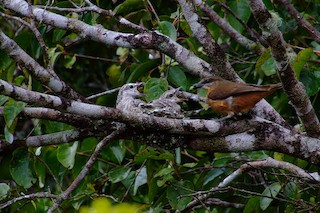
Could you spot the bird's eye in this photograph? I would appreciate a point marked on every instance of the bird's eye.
(171, 95)
(131, 86)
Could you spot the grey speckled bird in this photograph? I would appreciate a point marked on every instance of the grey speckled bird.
(128, 99)
(166, 106)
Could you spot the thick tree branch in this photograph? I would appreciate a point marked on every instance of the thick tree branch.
(293, 88)
(219, 61)
(150, 40)
(242, 135)
(55, 115)
(54, 102)
(44, 76)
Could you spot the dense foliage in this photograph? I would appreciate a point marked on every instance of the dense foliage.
(133, 172)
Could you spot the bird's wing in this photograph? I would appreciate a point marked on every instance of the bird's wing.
(232, 89)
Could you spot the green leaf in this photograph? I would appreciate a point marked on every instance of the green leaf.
(69, 61)
(154, 87)
(11, 111)
(301, 59)
(119, 173)
(271, 191)
(252, 205)
(177, 77)
(167, 29)
(266, 64)
(118, 153)
(114, 153)
(311, 81)
(292, 190)
(10, 72)
(212, 174)
(4, 189)
(189, 165)
(66, 154)
(177, 194)
(58, 35)
(8, 135)
(40, 170)
(19, 79)
(242, 9)
(141, 69)
(129, 6)
(164, 172)
(3, 99)
(20, 168)
(54, 54)
(140, 180)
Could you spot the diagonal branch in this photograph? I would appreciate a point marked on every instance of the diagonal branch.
(229, 30)
(43, 75)
(64, 195)
(293, 88)
(218, 58)
(150, 40)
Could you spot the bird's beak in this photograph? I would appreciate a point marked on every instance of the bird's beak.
(196, 86)
(140, 89)
(140, 86)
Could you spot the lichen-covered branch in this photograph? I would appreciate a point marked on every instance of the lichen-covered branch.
(229, 30)
(55, 115)
(54, 102)
(43, 75)
(292, 87)
(219, 61)
(152, 40)
(200, 134)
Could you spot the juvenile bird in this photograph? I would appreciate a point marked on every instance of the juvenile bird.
(128, 99)
(229, 97)
(167, 105)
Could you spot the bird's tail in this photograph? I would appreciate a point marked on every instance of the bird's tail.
(275, 87)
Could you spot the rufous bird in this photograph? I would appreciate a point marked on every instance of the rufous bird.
(231, 98)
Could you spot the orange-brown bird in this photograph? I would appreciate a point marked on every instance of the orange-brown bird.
(230, 98)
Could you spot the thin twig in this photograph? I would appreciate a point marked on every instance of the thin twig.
(302, 22)
(29, 197)
(103, 93)
(64, 195)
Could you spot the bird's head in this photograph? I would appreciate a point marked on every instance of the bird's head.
(207, 82)
(131, 90)
(173, 95)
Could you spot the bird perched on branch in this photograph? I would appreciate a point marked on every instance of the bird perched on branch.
(229, 97)
(167, 105)
(128, 99)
